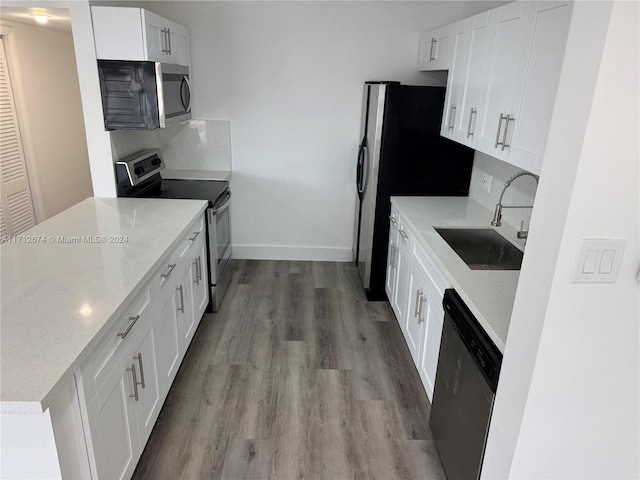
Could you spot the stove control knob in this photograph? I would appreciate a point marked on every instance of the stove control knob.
(139, 171)
(156, 161)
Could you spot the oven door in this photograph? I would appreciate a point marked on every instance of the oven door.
(174, 93)
(219, 236)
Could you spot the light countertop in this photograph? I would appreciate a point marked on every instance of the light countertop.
(65, 288)
(489, 294)
(186, 174)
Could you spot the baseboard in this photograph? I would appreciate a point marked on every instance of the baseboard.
(276, 252)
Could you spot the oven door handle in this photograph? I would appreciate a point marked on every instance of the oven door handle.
(215, 211)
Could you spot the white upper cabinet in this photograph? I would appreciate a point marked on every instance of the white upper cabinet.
(437, 48)
(503, 78)
(456, 83)
(476, 70)
(503, 73)
(125, 33)
(537, 83)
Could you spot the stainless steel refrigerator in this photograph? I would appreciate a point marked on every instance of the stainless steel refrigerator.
(401, 152)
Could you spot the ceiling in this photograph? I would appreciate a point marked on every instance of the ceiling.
(59, 17)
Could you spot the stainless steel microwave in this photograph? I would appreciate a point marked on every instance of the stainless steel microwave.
(144, 95)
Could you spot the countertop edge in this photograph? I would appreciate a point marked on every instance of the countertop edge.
(39, 407)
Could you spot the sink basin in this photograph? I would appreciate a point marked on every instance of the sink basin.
(482, 248)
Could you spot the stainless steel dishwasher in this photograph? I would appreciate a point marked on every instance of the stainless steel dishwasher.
(466, 381)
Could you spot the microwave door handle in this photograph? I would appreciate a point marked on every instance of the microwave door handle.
(185, 79)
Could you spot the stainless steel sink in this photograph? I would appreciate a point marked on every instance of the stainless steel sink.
(482, 248)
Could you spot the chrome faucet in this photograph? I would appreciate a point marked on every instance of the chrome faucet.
(497, 216)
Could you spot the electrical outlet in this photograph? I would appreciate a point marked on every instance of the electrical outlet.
(486, 182)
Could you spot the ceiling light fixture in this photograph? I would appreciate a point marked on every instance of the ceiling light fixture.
(40, 18)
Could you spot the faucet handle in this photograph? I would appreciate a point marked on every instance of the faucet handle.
(522, 233)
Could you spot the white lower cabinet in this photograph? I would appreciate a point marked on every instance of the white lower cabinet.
(186, 321)
(417, 302)
(399, 299)
(165, 318)
(413, 325)
(200, 282)
(113, 426)
(123, 386)
(148, 403)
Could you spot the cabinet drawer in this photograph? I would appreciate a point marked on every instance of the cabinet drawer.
(196, 232)
(106, 355)
(432, 273)
(404, 234)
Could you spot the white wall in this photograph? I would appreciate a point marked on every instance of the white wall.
(586, 383)
(288, 76)
(43, 71)
(567, 403)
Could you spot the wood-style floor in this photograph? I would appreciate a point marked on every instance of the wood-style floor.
(296, 377)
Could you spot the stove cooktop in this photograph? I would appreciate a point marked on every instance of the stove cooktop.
(210, 190)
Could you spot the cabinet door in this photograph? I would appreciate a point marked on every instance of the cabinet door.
(184, 308)
(437, 48)
(118, 33)
(509, 34)
(155, 36)
(392, 261)
(537, 83)
(413, 325)
(472, 105)
(180, 45)
(455, 82)
(149, 402)
(165, 325)
(112, 423)
(399, 302)
(430, 348)
(200, 282)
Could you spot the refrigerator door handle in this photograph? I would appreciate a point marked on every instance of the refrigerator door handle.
(363, 158)
(360, 167)
(365, 171)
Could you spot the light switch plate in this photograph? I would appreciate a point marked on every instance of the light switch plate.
(598, 260)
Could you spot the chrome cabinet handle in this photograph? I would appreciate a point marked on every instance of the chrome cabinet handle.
(139, 358)
(403, 234)
(181, 308)
(506, 129)
(471, 114)
(420, 317)
(199, 269)
(431, 57)
(128, 329)
(196, 265)
(452, 116)
(169, 40)
(135, 382)
(416, 311)
(393, 220)
(502, 117)
(195, 235)
(166, 274)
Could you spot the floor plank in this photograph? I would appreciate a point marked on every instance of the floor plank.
(296, 377)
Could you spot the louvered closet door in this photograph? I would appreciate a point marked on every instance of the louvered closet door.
(16, 207)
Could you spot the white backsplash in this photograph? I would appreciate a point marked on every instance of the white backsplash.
(521, 192)
(197, 144)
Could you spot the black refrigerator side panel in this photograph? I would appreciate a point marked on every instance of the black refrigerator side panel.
(414, 160)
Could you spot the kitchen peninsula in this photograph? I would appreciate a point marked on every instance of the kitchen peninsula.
(67, 287)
